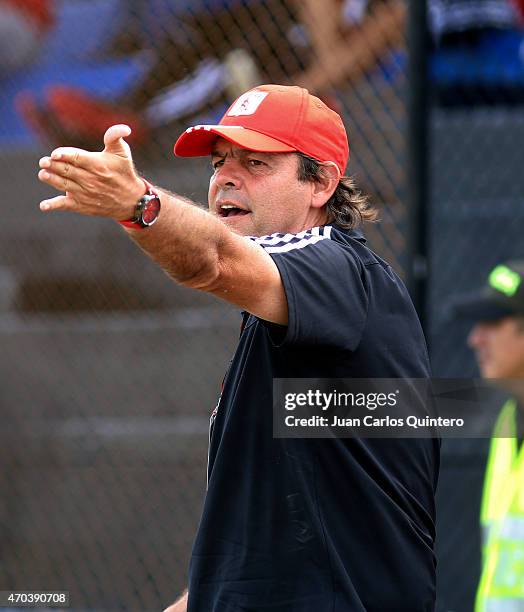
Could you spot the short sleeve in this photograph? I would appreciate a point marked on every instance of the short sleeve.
(324, 286)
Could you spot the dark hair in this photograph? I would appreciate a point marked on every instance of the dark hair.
(348, 206)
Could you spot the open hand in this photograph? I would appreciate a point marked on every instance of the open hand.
(103, 184)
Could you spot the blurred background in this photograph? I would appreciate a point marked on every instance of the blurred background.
(109, 370)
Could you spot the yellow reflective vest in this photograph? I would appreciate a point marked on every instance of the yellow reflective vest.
(501, 587)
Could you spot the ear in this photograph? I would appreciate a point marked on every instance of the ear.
(324, 188)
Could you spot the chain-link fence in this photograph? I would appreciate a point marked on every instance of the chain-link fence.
(110, 371)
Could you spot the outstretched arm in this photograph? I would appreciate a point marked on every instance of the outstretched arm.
(193, 246)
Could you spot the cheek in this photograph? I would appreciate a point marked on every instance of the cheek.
(211, 192)
(499, 362)
(511, 358)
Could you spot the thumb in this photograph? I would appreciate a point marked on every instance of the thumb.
(114, 140)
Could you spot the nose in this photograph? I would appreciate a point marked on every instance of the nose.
(476, 335)
(228, 174)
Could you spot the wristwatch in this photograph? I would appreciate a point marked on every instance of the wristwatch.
(147, 209)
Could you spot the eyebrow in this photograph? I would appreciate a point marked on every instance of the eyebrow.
(240, 153)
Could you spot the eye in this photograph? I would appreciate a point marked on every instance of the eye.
(255, 162)
(217, 163)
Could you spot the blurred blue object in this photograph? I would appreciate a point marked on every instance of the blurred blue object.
(496, 61)
(84, 28)
(161, 18)
(107, 80)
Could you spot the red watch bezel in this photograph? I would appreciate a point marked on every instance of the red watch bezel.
(133, 223)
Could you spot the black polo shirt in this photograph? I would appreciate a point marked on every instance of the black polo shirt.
(323, 525)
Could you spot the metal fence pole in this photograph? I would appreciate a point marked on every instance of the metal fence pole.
(418, 156)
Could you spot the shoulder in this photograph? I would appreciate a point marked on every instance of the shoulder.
(325, 240)
(284, 243)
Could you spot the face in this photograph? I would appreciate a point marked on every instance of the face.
(256, 194)
(499, 348)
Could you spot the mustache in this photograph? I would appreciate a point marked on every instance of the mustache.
(230, 196)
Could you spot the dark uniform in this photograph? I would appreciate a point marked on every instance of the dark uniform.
(324, 525)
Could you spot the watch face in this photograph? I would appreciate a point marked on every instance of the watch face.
(150, 210)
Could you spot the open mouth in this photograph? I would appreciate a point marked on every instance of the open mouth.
(229, 210)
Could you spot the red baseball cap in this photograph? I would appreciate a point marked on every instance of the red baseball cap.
(274, 119)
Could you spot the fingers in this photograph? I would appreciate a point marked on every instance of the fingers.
(72, 155)
(61, 182)
(59, 203)
(114, 140)
(95, 183)
(63, 175)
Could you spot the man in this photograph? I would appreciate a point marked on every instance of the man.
(288, 525)
(498, 341)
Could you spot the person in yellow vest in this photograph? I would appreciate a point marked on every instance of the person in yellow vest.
(498, 341)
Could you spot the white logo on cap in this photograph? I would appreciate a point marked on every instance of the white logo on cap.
(247, 104)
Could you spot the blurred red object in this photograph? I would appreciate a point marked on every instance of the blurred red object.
(39, 11)
(69, 116)
(519, 5)
(81, 115)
